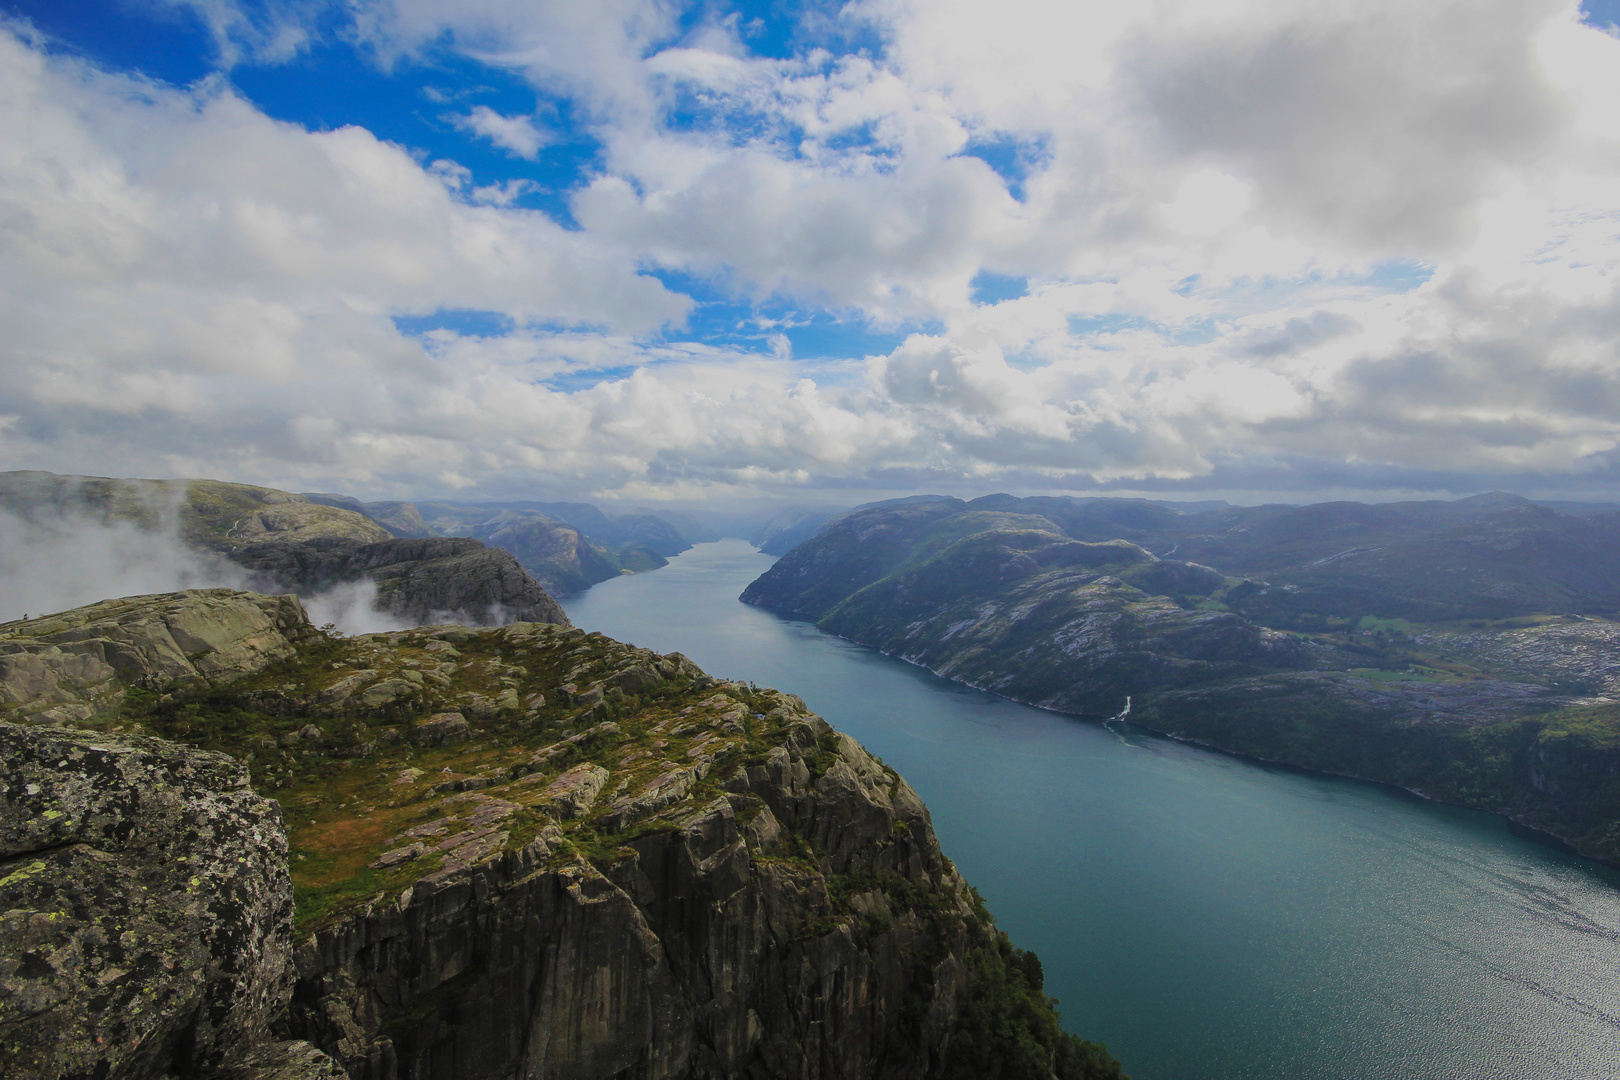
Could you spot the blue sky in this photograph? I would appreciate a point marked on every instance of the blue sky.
(647, 250)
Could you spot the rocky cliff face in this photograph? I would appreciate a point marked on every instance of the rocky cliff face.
(291, 543)
(435, 579)
(521, 852)
(567, 546)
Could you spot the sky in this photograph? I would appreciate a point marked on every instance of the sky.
(635, 251)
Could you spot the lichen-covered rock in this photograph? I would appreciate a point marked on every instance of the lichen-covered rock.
(68, 666)
(575, 790)
(146, 908)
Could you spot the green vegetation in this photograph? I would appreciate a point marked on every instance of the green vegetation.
(1010, 1029)
(1375, 624)
(1558, 772)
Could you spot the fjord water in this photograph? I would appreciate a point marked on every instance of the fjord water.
(1205, 916)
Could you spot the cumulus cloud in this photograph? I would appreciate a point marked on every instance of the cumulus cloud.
(517, 134)
(1262, 241)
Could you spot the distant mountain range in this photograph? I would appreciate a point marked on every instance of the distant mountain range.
(1467, 649)
(567, 546)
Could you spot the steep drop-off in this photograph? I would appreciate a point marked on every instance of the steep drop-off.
(527, 851)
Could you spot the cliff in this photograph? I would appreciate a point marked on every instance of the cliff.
(434, 579)
(530, 851)
(568, 546)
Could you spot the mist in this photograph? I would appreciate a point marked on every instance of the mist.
(50, 564)
(66, 561)
(351, 607)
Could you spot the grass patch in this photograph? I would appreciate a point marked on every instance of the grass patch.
(1411, 674)
(1387, 626)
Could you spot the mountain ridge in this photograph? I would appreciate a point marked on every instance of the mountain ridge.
(1315, 667)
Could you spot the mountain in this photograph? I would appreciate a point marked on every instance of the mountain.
(1522, 560)
(639, 529)
(210, 514)
(1009, 603)
(568, 547)
(401, 519)
(431, 580)
(526, 851)
(694, 528)
(1453, 650)
(288, 543)
(785, 531)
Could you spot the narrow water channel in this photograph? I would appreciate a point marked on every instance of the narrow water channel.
(1206, 917)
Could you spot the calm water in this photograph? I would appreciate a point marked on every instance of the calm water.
(1204, 916)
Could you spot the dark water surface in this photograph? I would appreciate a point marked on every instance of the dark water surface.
(1204, 916)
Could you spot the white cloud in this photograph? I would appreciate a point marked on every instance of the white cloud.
(1210, 197)
(515, 133)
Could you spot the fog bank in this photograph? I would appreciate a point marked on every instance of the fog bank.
(50, 563)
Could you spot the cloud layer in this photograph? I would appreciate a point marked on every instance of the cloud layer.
(1265, 249)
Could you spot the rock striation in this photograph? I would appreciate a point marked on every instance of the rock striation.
(515, 852)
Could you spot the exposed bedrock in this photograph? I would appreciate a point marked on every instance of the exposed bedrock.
(696, 951)
(71, 665)
(147, 913)
(622, 869)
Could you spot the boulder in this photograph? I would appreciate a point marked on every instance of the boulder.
(442, 729)
(386, 692)
(147, 908)
(85, 657)
(574, 791)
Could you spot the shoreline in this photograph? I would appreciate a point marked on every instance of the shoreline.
(1533, 832)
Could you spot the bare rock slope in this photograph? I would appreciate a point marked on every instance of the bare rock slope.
(71, 666)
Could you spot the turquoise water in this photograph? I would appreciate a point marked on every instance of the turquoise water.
(1204, 916)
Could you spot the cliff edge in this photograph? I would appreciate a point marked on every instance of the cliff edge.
(526, 851)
